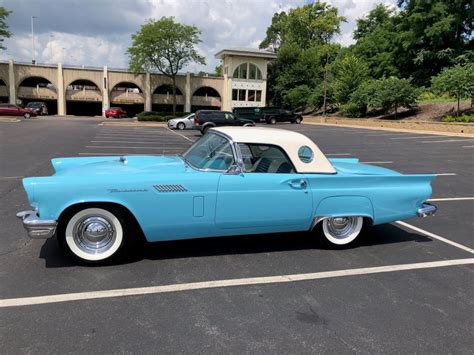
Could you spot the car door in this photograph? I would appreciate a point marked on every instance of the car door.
(265, 197)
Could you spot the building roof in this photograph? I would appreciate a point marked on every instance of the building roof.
(246, 52)
(290, 141)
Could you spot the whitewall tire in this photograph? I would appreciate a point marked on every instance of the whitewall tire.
(94, 234)
(341, 231)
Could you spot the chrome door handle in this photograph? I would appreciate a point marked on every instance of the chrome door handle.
(300, 184)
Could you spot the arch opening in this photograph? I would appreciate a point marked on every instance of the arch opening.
(206, 98)
(4, 98)
(163, 99)
(128, 96)
(83, 98)
(248, 71)
(38, 89)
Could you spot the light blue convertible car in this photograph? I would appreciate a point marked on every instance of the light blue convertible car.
(232, 181)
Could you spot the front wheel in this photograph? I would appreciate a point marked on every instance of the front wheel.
(181, 126)
(341, 231)
(93, 235)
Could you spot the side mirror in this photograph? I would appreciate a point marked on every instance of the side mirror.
(234, 169)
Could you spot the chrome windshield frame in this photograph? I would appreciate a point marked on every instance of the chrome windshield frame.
(235, 152)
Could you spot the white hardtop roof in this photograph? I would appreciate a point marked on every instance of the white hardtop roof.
(246, 52)
(290, 141)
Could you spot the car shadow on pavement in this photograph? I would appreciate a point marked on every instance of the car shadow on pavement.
(250, 244)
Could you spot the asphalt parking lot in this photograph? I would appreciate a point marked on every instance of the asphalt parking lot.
(406, 287)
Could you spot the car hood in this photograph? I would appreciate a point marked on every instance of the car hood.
(353, 167)
(116, 165)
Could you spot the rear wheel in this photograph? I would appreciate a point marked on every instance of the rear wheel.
(272, 120)
(26, 115)
(298, 120)
(181, 126)
(93, 235)
(341, 231)
(205, 129)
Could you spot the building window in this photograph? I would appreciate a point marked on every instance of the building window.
(247, 71)
(238, 95)
(251, 95)
(258, 96)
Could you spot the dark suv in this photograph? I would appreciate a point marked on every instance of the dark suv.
(206, 119)
(273, 116)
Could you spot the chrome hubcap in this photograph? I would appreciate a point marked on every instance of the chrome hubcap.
(94, 234)
(341, 227)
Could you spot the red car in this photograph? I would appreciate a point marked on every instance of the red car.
(14, 110)
(115, 112)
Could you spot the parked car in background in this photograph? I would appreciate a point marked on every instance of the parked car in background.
(206, 119)
(116, 112)
(14, 110)
(232, 181)
(39, 107)
(281, 115)
(186, 122)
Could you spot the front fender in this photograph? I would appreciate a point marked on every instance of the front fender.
(343, 206)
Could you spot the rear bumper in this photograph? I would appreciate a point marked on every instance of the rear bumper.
(37, 228)
(426, 210)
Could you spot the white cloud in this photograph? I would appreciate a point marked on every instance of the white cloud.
(96, 35)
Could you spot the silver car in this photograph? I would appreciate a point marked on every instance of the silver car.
(186, 122)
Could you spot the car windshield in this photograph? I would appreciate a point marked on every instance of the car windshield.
(34, 104)
(212, 152)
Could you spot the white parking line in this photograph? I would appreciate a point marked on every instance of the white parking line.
(446, 174)
(386, 134)
(11, 177)
(80, 296)
(468, 146)
(337, 154)
(376, 162)
(451, 199)
(449, 141)
(119, 147)
(140, 142)
(417, 137)
(179, 134)
(435, 236)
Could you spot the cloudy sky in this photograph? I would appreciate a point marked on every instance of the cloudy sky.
(98, 32)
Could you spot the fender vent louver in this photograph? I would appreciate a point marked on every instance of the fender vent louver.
(170, 188)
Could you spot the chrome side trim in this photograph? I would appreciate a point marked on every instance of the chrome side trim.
(37, 228)
(426, 210)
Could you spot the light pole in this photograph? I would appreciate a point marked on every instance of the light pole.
(33, 61)
(51, 43)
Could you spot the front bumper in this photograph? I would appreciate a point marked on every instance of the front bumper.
(37, 228)
(172, 124)
(426, 210)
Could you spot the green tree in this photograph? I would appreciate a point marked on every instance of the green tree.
(349, 72)
(376, 42)
(164, 46)
(301, 39)
(4, 32)
(457, 81)
(431, 34)
(297, 97)
(392, 93)
(219, 71)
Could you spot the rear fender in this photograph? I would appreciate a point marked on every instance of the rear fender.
(344, 206)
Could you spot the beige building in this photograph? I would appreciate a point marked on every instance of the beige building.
(90, 91)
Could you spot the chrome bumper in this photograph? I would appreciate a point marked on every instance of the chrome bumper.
(35, 227)
(426, 210)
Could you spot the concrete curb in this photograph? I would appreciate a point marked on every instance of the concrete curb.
(389, 129)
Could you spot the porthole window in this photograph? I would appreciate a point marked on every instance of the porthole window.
(305, 154)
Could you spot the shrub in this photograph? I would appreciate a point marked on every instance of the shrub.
(392, 93)
(463, 118)
(158, 116)
(297, 97)
(351, 109)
